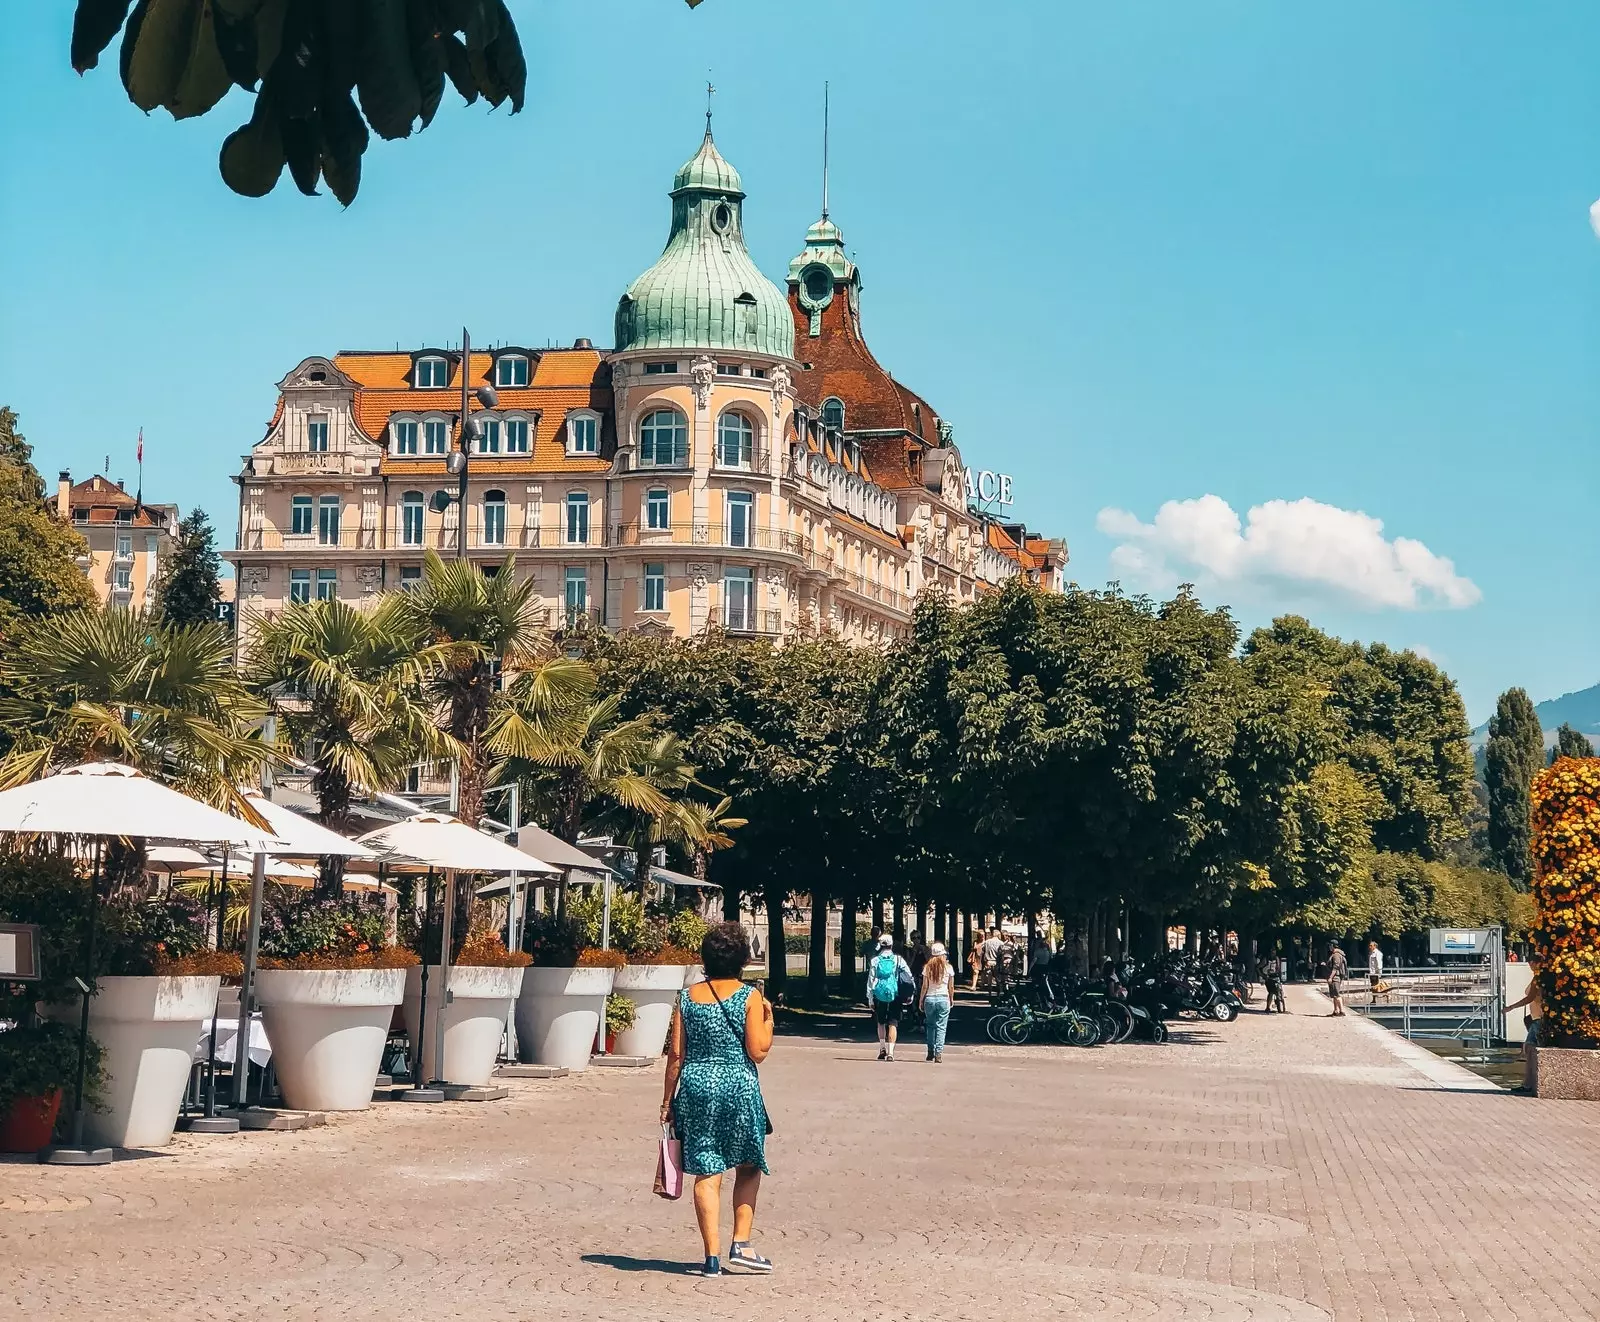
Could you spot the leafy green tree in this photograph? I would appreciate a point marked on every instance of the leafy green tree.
(349, 685)
(38, 573)
(189, 587)
(1513, 756)
(1571, 743)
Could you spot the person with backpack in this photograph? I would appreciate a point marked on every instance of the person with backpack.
(888, 977)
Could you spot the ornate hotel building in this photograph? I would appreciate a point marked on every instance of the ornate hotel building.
(738, 460)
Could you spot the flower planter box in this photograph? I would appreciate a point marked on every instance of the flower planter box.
(146, 1028)
(474, 1020)
(328, 1028)
(27, 1125)
(558, 1014)
(1566, 1074)
(654, 989)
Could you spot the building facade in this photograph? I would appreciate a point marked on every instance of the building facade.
(128, 539)
(738, 460)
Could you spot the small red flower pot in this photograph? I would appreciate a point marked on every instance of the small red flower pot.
(30, 1122)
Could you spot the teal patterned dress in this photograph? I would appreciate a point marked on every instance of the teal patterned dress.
(718, 1112)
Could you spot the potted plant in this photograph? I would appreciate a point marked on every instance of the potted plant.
(620, 1016)
(485, 978)
(155, 986)
(686, 930)
(563, 993)
(327, 987)
(38, 1063)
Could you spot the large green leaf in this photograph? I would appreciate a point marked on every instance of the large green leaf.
(302, 146)
(390, 97)
(93, 26)
(156, 50)
(459, 66)
(205, 78)
(253, 157)
(344, 139)
(235, 35)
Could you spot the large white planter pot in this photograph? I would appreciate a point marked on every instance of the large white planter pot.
(558, 1014)
(694, 973)
(654, 989)
(328, 1028)
(474, 1019)
(146, 1028)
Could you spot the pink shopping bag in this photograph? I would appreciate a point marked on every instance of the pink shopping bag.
(669, 1165)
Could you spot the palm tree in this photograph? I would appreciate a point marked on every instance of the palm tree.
(580, 763)
(701, 829)
(486, 626)
(115, 685)
(349, 685)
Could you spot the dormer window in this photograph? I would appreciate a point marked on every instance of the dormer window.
(317, 435)
(488, 435)
(583, 432)
(833, 413)
(511, 370)
(432, 374)
(660, 369)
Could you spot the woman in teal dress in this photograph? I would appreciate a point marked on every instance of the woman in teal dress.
(721, 1031)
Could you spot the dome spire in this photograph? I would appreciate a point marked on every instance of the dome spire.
(824, 150)
(710, 92)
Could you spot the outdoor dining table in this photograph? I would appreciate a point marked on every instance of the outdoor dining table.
(227, 1035)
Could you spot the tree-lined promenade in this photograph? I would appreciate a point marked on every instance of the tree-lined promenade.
(1085, 755)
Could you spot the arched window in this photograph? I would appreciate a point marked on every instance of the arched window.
(300, 515)
(833, 413)
(411, 519)
(664, 439)
(494, 518)
(735, 440)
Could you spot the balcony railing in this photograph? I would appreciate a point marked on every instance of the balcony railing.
(516, 536)
(746, 623)
(863, 587)
(722, 535)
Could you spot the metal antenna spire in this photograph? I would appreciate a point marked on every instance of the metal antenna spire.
(824, 150)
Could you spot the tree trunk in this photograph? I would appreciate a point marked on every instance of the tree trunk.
(847, 943)
(922, 917)
(730, 904)
(966, 938)
(777, 954)
(877, 913)
(899, 922)
(817, 965)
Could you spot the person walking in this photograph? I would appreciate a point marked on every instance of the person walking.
(1338, 971)
(975, 960)
(721, 1032)
(1530, 1021)
(1374, 968)
(991, 956)
(884, 993)
(936, 994)
(1272, 976)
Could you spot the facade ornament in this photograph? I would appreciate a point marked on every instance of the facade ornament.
(702, 373)
(780, 380)
(254, 580)
(367, 576)
(699, 575)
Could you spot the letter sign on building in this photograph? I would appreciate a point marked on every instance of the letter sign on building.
(987, 488)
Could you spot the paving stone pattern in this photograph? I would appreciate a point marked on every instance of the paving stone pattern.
(1280, 1168)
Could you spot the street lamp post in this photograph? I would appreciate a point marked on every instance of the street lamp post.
(467, 431)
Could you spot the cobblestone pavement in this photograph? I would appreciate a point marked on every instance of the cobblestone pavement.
(1274, 1168)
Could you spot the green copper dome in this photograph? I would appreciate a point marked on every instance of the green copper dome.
(705, 291)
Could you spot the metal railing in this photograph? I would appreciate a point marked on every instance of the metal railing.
(723, 536)
(514, 536)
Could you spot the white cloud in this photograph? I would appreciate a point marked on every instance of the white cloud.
(1285, 550)
(1594, 217)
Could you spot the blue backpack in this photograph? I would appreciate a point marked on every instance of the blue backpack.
(885, 979)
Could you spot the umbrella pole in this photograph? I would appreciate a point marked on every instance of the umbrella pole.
(209, 1122)
(446, 935)
(252, 945)
(75, 1153)
(419, 1091)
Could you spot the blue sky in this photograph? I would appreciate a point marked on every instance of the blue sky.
(1306, 259)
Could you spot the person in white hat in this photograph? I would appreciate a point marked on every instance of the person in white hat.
(889, 987)
(935, 997)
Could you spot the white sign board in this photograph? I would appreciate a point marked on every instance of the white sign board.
(1459, 940)
(19, 951)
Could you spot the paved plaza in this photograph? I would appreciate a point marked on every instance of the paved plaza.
(1274, 1168)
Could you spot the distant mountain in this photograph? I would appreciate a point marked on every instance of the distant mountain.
(1580, 710)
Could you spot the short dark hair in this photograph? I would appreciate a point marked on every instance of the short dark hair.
(725, 951)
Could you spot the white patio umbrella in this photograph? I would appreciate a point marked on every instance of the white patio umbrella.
(108, 800)
(437, 840)
(300, 837)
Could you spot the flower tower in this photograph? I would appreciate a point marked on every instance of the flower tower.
(1566, 893)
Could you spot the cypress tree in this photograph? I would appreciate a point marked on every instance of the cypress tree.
(1571, 743)
(189, 590)
(1514, 755)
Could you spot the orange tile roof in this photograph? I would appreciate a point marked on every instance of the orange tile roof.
(563, 380)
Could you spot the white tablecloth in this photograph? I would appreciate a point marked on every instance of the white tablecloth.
(227, 1035)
